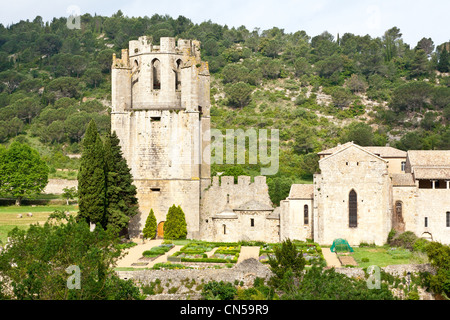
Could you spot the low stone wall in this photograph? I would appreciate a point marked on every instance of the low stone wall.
(56, 186)
(243, 273)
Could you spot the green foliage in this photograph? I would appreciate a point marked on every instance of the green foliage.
(358, 132)
(121, 200)
(44, 252)
(279, 188)
(69, 194)
(157, 251)
(22, 171)
(405, 240)
(287, 265)
(175, 226)
(150, 227)
(238, 94)
(92, 178)
(439, 256)
(214, 290)
(320, 284)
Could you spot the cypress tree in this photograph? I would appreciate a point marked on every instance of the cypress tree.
(150, 226)
(121, 201)
(175, 226)
(91, 178)
(443, 64)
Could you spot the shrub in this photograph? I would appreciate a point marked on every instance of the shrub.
(150, 226)
(175, 226)
(405, 240)
(420, 245)
(157, 251)
(214, 290)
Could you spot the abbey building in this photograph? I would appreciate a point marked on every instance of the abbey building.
(161, 114)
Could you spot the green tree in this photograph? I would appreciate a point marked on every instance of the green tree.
(320, 284)
(419, 64)
(215, 290)
(286, 266)
(150, 226)
(439, 256)
(411, 96)
(279, 188)
(411, 141)
(22, 172)
(121, 201)
(175, 226)
(92, 178)
(93, 77)
(341, 97)
(358, 132)
(444, 61)
(69, 194)
(239, 94)
(45, 256)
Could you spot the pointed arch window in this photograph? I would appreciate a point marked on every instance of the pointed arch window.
(156, 74)
(352, 209)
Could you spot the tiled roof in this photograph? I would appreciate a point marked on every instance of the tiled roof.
(253, 205)
(382, 152)
(432, 173)
(429, 158)
(387, 152)
(403, 180)
(301, 191)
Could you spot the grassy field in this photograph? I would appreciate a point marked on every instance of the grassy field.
(385, 256)
(9, 219)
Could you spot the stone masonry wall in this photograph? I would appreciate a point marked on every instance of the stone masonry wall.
(245, 273)
(56, 186)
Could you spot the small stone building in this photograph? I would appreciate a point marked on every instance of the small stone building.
(361, 193)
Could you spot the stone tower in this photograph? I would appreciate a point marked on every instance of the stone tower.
(161, 114)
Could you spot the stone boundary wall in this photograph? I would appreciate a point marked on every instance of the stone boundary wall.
(56, 186)
(246, 271)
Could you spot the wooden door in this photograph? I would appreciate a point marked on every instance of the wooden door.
(160, 232)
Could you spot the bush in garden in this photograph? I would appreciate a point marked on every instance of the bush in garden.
(150, 226)
(175, 226)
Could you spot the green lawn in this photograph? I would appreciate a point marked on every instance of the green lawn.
(384, 256)
(9, 219)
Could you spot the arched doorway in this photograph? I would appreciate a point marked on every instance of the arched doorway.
(398, 223)
(160, 230)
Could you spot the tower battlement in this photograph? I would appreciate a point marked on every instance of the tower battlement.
(170, 76)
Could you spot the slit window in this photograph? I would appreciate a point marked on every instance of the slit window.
(178, 76)
(305, 214)
(156, 189)
(252, 222)
(352, 209)
(447, 219)
(155, 119)
(426, 222)
(224, 229)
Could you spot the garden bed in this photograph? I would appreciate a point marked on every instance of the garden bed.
(311, 251)
(157, 251)
(197, 252)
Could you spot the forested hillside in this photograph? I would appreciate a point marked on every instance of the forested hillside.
(318, 90)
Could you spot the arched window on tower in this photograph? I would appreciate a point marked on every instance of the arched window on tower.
(178, 75)
(352, 209)
(305, 214)
(156, 74)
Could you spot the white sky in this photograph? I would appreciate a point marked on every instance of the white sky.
(415, 18)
